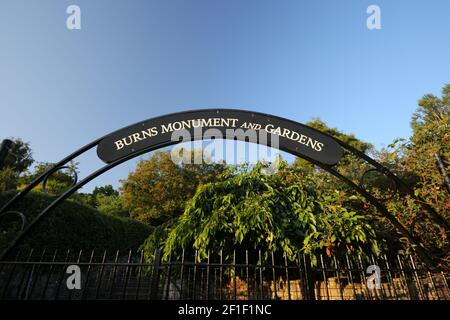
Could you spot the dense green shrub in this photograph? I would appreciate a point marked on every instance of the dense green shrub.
(72, 225)
(280, 212)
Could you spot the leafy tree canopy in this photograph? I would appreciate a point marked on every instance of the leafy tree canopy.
(20, 157)
(414, 160)
(17, 162)
(158, 188)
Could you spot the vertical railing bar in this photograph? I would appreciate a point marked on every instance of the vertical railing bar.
(274, 276)
(127, 272)
(309, 277)
(247, 274)
(182, 275)
(188, 287)
(88, 273)
(261, 281)
(405, 280)
(350, 275)
(113, 278)
(234, 275)
(221, 275)
(215, 284)
(29, 282)
(255, 286)
(445, 284)
(140, 267)
(199, 279)
(207, 275)
(63, 272)
(419, 284)
(201, 270)
(34, 275)
(169, 270)
(50, 272)
(195, 275)
(390, 278)
(25, 287)
(100, 276)
(433, 285)
(301, 276)
(24, 275)
(325, 279)
(154, 285)
(341, 288)
(255, 281)
(363, 277)
(287, 276)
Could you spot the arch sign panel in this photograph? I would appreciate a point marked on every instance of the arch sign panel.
(272, 131)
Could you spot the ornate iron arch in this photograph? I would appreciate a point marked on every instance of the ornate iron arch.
(308, 143)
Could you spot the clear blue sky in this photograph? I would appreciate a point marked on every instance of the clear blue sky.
(133, 60)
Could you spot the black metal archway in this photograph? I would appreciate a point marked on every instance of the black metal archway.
(308, 143)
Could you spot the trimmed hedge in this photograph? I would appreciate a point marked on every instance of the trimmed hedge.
(72, 225)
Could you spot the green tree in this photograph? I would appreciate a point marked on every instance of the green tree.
(106, 190)
(158, 188)
(349, 165)
(20, 157)
(8, 179)
(92, 199)
(111, 205)
(16, 164)
(350, 139)
(414, 160)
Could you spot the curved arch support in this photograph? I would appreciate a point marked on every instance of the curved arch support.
(308, 143)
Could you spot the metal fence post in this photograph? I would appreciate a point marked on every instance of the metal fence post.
(309, 278)
(155, 275)
(31, 277)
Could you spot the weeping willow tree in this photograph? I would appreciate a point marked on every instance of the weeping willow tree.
(281, 212)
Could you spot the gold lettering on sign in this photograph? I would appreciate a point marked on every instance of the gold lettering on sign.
(217, 122)
(198, 123)
(135, 137)
(295, 136)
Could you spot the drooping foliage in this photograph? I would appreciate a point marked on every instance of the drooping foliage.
(251, 210)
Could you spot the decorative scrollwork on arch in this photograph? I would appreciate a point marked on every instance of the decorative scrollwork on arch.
(55, 169)
(23, 218)
(392, 188)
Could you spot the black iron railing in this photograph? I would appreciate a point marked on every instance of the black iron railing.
(243, 275)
